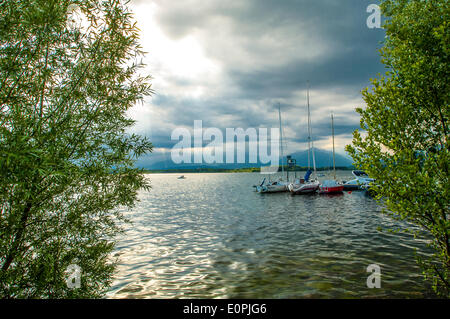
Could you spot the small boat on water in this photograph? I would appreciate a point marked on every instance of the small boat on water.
(361, 181)
(304, 185)
(272, 187)
(276, 186)
(331, 186)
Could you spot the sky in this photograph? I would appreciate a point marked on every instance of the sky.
(230, 63)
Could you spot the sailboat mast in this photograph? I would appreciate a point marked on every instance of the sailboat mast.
(281, 141)
(334, 159)
(309, 129)
(311, 143)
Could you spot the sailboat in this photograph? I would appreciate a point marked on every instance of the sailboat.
(280, 185)
(361, 182)
(306, 185)
(272, 187)
(331, 186)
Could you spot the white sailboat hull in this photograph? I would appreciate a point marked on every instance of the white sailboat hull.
(277, 188)
(306, 188)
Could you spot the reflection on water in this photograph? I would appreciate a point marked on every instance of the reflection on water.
(212, 236)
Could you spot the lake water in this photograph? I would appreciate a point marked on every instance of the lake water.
(212, 236)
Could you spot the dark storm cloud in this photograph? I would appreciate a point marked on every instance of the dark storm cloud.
(351, 71)
(267, 51)
(351, 60)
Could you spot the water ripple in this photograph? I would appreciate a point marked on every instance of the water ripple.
(211, 236)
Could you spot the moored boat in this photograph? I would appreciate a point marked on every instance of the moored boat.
(361, 181)
(304, 185)
(280, 185)
(307, 186)
(274, 187)
(331, 187)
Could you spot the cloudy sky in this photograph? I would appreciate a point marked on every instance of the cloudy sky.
(229, 63)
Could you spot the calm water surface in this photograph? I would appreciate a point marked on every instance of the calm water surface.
(212, 236)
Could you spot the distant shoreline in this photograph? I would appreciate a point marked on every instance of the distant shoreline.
(237, 170)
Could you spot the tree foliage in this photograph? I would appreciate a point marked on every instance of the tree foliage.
(66, 159)
(405, 146)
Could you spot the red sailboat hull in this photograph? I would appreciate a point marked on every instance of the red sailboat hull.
(331, 189)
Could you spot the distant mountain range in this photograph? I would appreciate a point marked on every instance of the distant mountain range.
(323, 159)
